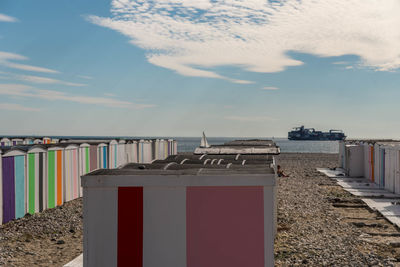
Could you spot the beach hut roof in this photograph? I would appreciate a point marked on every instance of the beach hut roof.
(101, 145)
(4, 139)
(121, 141)
(55, 147)
(37, 149)
(113, 142)
(70, 146)
(14, 151)
(84, 145)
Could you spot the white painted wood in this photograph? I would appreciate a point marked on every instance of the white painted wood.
(100, 225)
(179, 180)
(77, 262)
(164, 226)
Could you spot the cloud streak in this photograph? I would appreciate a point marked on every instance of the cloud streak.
(194, 37)
(38, 79)
(270, 88)
(19, 90)
(17, 107)
(6, 18)
(6, 59)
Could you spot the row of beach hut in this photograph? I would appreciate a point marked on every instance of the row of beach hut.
(376, 160)
(6, 141)
(38, 177)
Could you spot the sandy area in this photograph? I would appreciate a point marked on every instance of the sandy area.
(318, 224)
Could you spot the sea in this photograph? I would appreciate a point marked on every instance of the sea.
(188, 144)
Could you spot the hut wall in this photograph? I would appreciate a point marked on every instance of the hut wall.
(93, 157)
(8, 189)
(121, 155)
(72, 186)
(1, 189)
(55, 177)
(36, 182)
(355, 160)
(102, 155)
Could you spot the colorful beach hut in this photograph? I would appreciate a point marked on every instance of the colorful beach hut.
(13, 184)
(113, 149)
(37, 141)
(17, 141)
(84, 159)
(36, 164)
(71, 181)
(121, 153)
(93, 157)
(102, 156)
(55, 176)
(5, 142)
(28, 141)
(46, 140)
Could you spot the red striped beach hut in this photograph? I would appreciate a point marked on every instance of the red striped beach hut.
(176, 220)
(36, 179)
(46, 140)
(55, 176)
(13, 186)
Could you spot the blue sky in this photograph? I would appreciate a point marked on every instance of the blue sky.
(176, 68)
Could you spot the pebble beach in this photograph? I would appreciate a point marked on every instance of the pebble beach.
(319, 224)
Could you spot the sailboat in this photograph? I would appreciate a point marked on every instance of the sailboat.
(204, 142)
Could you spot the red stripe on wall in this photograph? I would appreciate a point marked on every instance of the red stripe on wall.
(130, 226)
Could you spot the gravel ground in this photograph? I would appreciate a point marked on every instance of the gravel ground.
(319, 224)
(313, 232)
(50, 238)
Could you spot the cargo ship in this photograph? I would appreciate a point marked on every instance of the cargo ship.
(301, 133)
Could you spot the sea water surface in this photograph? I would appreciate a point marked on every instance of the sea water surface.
(188, 144)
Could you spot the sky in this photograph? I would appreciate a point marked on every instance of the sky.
(251, 68)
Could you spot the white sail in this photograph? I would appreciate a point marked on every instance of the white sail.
(204, 142)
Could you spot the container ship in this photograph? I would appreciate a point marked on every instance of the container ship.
(301, 133)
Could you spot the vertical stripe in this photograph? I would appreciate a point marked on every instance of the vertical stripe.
(36, 182)
(93, 157)
(221, 228)
(31, 179)
(372, 164)
(20, 201)
(51, 179)
(86, 160)
(130, 226)
(164, 226)
(75, 183)
(8, 189)
(115, 156)
(105, 157)
(59, 178)
(41, 178)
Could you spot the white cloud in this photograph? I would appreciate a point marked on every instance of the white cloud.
(193, 37)
(6, 59)
(249, 118)
(349, 67)
(16, 107)
(38, 79)
(270, 88)
(6, 18)
(31, 92)
(109, 94)
(85, 77)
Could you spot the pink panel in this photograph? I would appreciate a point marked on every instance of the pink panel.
(225, 226)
